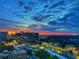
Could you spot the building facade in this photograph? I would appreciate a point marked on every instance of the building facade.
(27, 36)
(3, 35)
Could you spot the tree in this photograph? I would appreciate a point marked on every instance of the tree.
(42, 54)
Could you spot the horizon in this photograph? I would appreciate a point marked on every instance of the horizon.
(13, 31)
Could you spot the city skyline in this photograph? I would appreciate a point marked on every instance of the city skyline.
(13, 31)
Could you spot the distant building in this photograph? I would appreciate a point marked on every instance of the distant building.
(71, 39)
(26, 36)
(3, 35)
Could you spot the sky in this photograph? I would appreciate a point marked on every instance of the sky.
(46, 15)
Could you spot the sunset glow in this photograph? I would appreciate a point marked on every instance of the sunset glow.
(13, 31)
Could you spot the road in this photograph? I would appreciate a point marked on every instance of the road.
(54, 53)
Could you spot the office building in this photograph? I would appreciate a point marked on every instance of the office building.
(3, 35)
(26, 36)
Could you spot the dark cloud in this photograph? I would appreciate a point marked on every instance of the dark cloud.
(57, 4)
(43, 1)
(21, 3)
(10, 21)
(40, 17)
(46, 6)
(28, 7)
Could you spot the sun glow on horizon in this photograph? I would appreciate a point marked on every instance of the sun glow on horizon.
(11, 33)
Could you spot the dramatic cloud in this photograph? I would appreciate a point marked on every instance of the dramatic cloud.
(48, 15)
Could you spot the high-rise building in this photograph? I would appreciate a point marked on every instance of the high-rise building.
(27, 36)
(3, 35)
